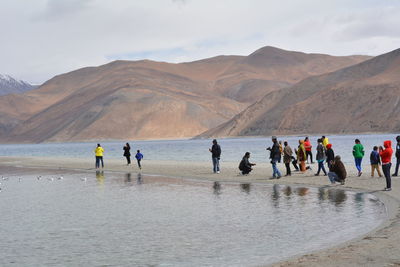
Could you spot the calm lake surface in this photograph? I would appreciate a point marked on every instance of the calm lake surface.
(195, 150)
(116, 219)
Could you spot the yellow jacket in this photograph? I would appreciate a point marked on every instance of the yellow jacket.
(325, 142)
(99, 151)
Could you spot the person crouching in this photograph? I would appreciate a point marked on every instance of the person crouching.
(245, 166)
(337, 172)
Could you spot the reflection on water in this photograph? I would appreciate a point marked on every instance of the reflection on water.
(287, 191)
(172, 222)
(245, 188)
(217, 188)
(139, 178)
(100, 177)
(128, 177)
(302, 191)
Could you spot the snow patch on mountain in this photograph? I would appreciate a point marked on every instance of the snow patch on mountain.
(10, 85)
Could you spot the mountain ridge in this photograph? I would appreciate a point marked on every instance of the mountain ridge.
(293, 110)
(147, 99)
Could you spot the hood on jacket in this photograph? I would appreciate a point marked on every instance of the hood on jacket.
(328, 146)
(387, 144)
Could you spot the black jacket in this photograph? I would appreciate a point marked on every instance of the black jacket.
(216, 151)
(275, 151)
(245, 164)
(330, 155)
(127, 151)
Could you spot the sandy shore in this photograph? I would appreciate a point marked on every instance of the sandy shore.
(379, 248)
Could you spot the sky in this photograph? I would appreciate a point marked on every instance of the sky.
(43, 38)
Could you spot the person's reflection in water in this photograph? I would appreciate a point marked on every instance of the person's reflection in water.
(217, 188)
(338, 197)
(128, 177)
(359, 199)
(100, 177)
(245, 188)
(275, 195)
(302, 191)
(288, 191)
(322, 194)
(139, 178)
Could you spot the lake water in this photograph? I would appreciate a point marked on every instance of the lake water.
(194, 150)
(116, 219)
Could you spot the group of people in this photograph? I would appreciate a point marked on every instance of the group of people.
(380, 156)
(99, 151)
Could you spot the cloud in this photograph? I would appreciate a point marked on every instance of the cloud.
(60, 9)
(43, 38)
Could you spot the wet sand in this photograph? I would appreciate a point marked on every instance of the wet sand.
(380, 247)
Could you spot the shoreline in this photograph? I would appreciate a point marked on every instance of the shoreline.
(380, 247)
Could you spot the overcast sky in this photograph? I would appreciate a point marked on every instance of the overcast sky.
(43, 38)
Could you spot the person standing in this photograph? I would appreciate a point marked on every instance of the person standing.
(287, 157)
(99, 156)
(375, 161)
(325, 141)
(127, 153)
(320, 157)
(386, 156)
(280, 151)
(396, 170)
(139, 157)
(215, 155)
(358, 154)
(301, 156)
(245, 166)
(308, 147)
(330, 155)
(275, 155)
(337, 172)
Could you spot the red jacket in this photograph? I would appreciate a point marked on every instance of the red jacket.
(386, 154)
(307, 145)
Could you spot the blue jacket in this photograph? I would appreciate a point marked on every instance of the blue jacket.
(374, 157)
(139, 155)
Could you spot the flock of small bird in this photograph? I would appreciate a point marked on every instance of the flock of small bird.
(51, 179)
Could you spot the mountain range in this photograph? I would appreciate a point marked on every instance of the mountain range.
(362, 98)
(126, 100)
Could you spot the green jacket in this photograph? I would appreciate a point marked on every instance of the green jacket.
(358, 151)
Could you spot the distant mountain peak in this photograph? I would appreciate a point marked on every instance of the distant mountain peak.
(10, 85)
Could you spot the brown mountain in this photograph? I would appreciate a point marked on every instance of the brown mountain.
(147, 99)
(360, 98)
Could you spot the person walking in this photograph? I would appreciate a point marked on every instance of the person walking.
(396, 170)
(245, 166)
(139, 157)
(337, 172)
(215, 155)
(99, 156)
(375, 161)
(330, 155)
(320, 157)
(386, 156)
(275, 155)
(308, 147)
(301, 156)
(127, 154)
(287, 157)
(358, 154)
